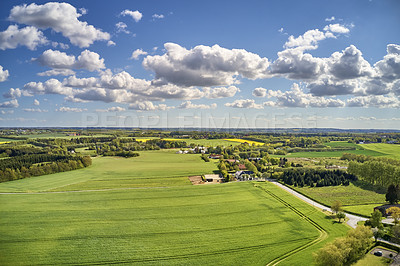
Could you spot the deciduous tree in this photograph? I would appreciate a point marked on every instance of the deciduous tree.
(395, 213)
(336, 206)
(340, 215)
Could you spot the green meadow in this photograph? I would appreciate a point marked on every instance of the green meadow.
(151, 169)
(143, 210)
(388, 150)
(6, 140)
(359, 149)
(336, 144)
(357, 197)
(330, 154)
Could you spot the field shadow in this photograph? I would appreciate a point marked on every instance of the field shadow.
(366, 186)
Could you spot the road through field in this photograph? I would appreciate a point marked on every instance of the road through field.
(353, 219)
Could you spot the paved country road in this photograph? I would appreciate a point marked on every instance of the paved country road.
(353, 219)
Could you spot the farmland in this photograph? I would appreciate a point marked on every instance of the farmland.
(151, 168)
(331, 154)
(134, 203)
(357, 197)
(144, 210)
(388, 150)
(227, 224)
(250, 142)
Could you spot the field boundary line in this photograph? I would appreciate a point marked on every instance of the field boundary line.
(78, 191)
(322, 233)
(188, 255)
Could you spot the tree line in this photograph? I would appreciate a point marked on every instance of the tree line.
(301, 177)
(345, 250)
(39, 164)
(375, 172)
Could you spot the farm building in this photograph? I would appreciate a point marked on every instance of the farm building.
(240, 174)
(213, 178)
(383, 208)
(214, 156)
(335, 167)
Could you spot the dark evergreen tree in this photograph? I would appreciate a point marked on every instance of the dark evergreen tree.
(393, 194)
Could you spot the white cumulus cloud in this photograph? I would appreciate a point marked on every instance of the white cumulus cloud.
(204, 65)
(147, 106)
(60, 17)
(136, 15)
(28, 36)
(122, 27)
(9, 104)
(63, 64)
(14, 93)
(295, 97)
(190, 105)
(3, 74)
(138, 52)
(35, 110)
(246, 103)
(71, 109)
(260, 92)
(337, 28)
(330, 19)
(221, 92)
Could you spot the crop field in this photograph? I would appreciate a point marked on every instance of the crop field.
(357, 197)
(335, 144)
(331, 154)
(388, 150)
(150, 169)
(251, 142)
(143, 210)
(6, 140)
(235, 223)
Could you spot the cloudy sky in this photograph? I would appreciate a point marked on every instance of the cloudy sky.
(203, 64)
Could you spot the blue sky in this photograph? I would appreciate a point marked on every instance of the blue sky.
(201, 64)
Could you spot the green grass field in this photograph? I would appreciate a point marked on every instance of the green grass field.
(389, 150)
(335, 144)
(226, 224)
(150, 169)
(6, 140)
(355, 198)
(331, 154)
(143, 210)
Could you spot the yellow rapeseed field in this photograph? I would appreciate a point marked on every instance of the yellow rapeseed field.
(246, 141)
